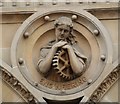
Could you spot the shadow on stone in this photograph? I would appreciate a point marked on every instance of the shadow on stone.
(74, 101)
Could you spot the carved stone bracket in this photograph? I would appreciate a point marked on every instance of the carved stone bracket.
(17, 86)
(105, 85)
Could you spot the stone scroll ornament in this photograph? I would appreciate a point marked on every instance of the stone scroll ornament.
(64, 57)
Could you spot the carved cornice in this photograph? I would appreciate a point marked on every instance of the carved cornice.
(105, 85)
(17, 86)
(32, 7)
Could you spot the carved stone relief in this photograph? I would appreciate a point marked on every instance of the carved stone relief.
(89, 49)
(105, 85)
(28, 97)
(17, 86)
(61, 52)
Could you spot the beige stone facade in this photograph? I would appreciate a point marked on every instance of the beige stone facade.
(26, 27)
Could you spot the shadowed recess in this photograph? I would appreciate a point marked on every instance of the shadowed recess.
(75, 101)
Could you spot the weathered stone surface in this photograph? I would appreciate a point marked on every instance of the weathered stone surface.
(21, 38)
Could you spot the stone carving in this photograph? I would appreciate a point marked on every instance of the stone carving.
(17, 86)
(28, 97)
(62, 54)
(105, 85)
(63, 86)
